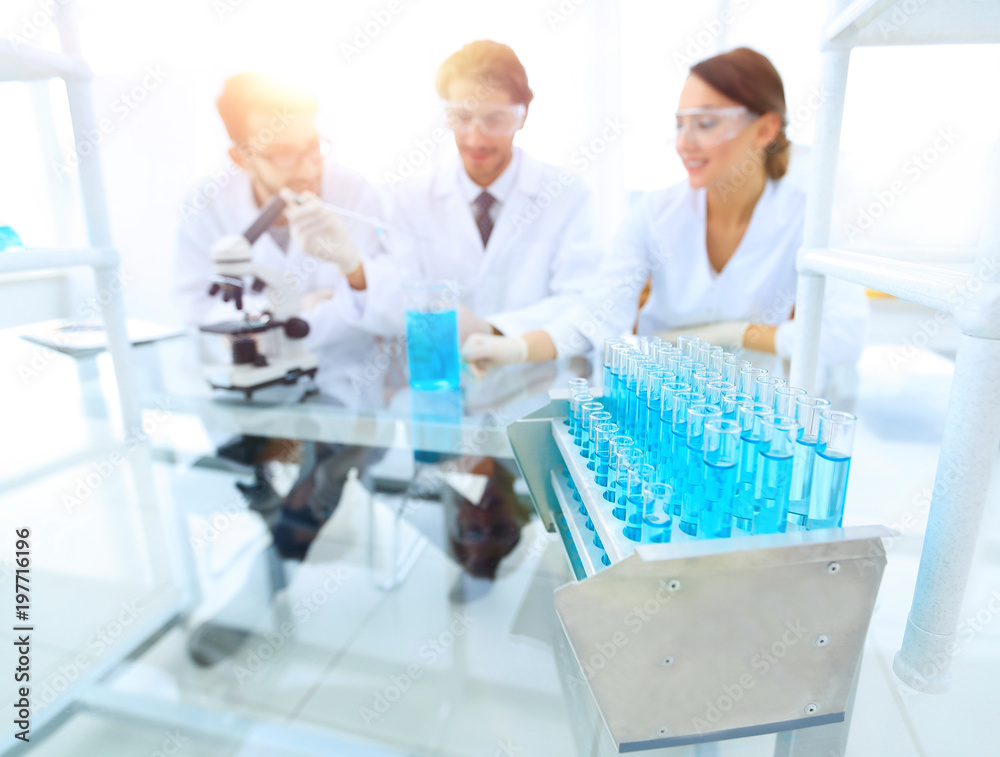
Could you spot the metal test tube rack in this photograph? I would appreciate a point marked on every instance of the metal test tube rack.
(701, 640)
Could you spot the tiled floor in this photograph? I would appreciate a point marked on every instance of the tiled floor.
(480, 677)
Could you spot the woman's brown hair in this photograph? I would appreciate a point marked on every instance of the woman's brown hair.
(749, 78)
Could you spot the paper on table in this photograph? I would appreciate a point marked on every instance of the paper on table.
(76, 337)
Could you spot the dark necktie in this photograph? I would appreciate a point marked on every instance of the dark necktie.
(483, 204)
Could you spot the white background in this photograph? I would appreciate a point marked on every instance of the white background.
(587, 61)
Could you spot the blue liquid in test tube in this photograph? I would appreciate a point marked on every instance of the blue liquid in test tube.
(609, 345)
(833, 464)
(638, 419)
(576, 386)
(628, 397)
(774, 474)
(586, 411)
(596, 420)
(619, 353)
(603, 434)
(576, 403)
(617, 443)
(806, 410)
(731, 402)
(639, 477)
(654, 385)
(678, 446)
(663, 461)
(722, 458)
(694, 492)
(829, 490)
(657, 522)
(750, 417)
(627, 460)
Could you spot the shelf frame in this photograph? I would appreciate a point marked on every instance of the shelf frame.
(972, 425)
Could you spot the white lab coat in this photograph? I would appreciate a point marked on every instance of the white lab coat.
(663, 236)
(533, 271)
(340, 345)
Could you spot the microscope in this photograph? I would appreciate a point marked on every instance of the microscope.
(265, 348)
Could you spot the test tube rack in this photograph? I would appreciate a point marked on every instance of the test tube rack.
(699, 640)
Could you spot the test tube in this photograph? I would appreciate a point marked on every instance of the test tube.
(663, 353)
(766, 386)
(731, 402)
(576, 401)
(716, 390)
(774, 473)
(732, 367)
(692, 491)
(806, 411)
(617, 443)
(652, 345)
(834, 444)
(689, 345)
(639, 477)
(627, 408)
(575, 384)
(664, 459)
(722, 464)
(784, 400)
(701, 378)
(627, 459)
(748, 380)
(684, 367)
(585, 426)
(618, 354)
(657, 522)
(705, 353)
(678, 444)
(719, 361)
(596, 419)
(749, 416)
(608, 363)
(650, 437)
(602, 450)
(636, 424)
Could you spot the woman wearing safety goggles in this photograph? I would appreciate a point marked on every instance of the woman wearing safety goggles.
(721, 246)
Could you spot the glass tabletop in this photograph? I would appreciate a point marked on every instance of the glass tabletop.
(362, 400)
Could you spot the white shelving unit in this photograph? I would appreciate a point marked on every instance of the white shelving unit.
(24, 64)
(972, 427)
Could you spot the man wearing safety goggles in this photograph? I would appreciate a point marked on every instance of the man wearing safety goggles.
(718, 250)
(516, 235)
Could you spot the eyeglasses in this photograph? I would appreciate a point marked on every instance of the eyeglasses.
(287, 158)
(708, 127)
(493, 120)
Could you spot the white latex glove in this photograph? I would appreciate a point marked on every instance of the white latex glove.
(312, 299)
(726, 334)
(469, 323)
(485, 351)
(318, 231)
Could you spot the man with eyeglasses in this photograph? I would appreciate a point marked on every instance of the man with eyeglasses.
(276, 147)
(515, 234)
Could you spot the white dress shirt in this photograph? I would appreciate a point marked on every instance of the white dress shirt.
(500, 188)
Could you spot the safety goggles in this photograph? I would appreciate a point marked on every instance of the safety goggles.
(708, 127)
(288, 158)
(493, 120)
